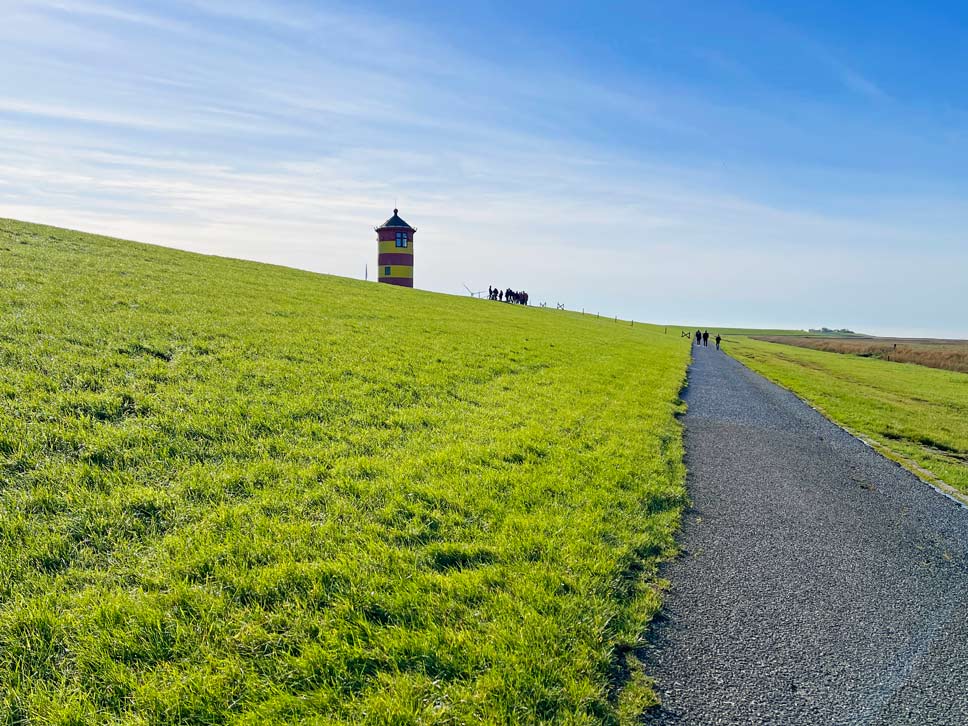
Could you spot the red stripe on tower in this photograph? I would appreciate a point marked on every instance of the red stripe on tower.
(395, 258)
(400, 281)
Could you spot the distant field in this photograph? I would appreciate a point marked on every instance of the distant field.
(917, 412)
(779, 332)
(949, 355)
(733, 331)
(231, 492)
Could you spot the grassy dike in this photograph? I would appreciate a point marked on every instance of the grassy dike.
(238, 493)
(919, 414)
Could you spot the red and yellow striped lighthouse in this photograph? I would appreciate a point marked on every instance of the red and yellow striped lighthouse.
(395, 241)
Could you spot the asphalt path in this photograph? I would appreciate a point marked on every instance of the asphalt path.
(818, 583)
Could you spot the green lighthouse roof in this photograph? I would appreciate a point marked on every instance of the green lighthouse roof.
(396, 221)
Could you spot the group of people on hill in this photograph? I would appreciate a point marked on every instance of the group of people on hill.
(509, 295)
(702, 338)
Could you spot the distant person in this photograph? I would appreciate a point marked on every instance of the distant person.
(698, 337)
(718, 340)
(500, 295)
(705, 338)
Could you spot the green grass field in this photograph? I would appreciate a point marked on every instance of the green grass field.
(237, 493)
(918, 413)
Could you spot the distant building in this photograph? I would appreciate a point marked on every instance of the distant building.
(395, 251)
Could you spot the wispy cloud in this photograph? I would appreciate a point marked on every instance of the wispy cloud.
(849, 77)
(72, 114)
(106, 11)
(279, 14)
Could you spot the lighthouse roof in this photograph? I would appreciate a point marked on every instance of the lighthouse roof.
(396, 221)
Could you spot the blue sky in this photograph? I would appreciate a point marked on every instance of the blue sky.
(764, 164)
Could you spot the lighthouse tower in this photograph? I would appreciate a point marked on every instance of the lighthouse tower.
(395, 244)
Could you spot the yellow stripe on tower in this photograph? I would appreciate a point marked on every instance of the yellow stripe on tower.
(396, 271)
(391, 246)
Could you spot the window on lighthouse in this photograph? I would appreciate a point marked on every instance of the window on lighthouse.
(386, 271)
(402, 239)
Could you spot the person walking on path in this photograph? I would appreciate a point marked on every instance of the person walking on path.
(698, 337)
(718, 340)
(705, 338)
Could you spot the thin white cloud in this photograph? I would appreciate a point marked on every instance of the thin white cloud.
(109, 12)
(847, 75)
(69, 113)
(287, 17)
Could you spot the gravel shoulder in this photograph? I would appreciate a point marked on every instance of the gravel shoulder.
(819, 583)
